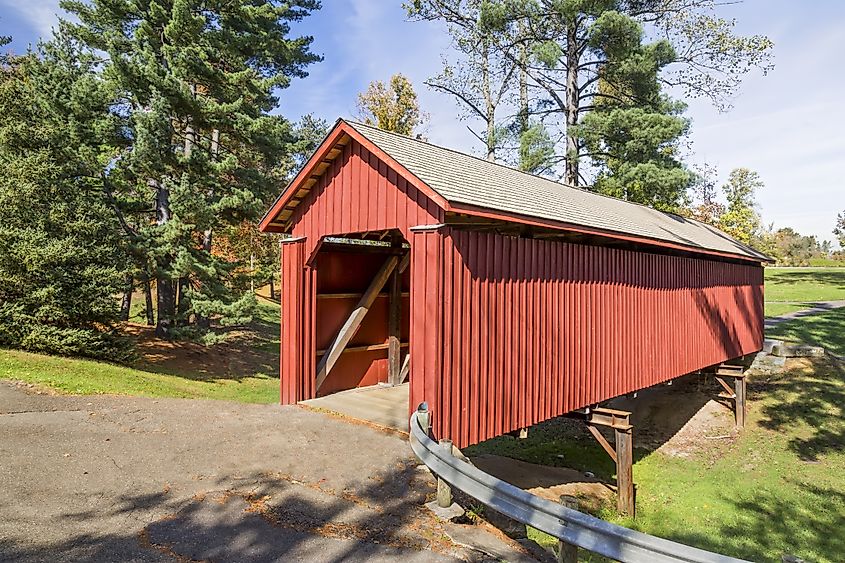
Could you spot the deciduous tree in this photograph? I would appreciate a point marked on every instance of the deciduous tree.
(392, 107)
(741, 219)
(573, 45)
(704, 204)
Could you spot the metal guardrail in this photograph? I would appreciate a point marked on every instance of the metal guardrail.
(568, 525)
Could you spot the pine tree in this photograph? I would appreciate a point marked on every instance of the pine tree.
(562, 49)
(633, 133)
(61, 256)
(194, 84)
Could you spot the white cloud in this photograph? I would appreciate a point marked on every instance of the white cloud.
(788, 127)
(41, 15)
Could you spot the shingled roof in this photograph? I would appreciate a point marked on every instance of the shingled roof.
(465, 180)
(461, 178)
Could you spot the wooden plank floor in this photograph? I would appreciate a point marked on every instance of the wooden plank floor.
(381, 404)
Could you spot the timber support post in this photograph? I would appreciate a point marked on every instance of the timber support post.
(394, 318)
(626, 501)
(622, 454)
(735, 393)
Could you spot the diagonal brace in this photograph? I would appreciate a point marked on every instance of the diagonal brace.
(353, 323)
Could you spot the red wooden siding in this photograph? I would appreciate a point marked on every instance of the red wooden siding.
(297, 334)
(504, 332)
(532, 329)
(360, 193)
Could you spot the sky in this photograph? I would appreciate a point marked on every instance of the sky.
(789, 125)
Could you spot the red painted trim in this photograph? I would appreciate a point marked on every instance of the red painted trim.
(562, 225)
(340, 129)
(390, 161)
(327, 145)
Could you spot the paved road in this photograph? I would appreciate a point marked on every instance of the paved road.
(817, 308)
(131, 479)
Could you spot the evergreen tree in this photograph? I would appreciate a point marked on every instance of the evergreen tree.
(565, 51)
(61, 255)
(633, 133)
(194, 84)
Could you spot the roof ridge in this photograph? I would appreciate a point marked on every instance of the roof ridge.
(507, 167)
(650, 223)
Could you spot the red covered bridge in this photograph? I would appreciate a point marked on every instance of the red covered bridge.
(505, 298)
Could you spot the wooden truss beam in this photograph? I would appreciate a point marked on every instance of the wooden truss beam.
(406, 368)
(737, 392)
(622, 454)
(353, 323)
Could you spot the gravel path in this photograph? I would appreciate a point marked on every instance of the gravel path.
(111, 478)
(817, 308)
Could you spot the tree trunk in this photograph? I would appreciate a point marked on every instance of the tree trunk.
(165, 290)
(207, 235)
(490, 108)
(148, 298)
(572, 101)
(190, 134)
(165, 297)
(183, 304)
(272, 287)
(522, 116)
(126, 301)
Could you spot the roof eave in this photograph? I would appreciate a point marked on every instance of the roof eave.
(340, 129)
(478, 211)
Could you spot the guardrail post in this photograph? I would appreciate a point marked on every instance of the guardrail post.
(424, 418)
(444, 491)
(567, 552)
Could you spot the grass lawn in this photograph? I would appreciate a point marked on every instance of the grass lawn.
(244, 370)
(779, 488)
(805, 285)
(825, 329)
(793, 289)
(88, 377)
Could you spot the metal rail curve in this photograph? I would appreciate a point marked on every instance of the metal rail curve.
(574, 527)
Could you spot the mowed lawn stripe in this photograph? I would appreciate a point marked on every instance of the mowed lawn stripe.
(89, 377)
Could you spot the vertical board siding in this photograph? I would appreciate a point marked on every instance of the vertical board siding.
(506, 332)
(426, 339)
(360, 193)
(533, 329)
(296, 323)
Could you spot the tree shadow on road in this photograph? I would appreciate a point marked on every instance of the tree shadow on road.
(261, 517)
